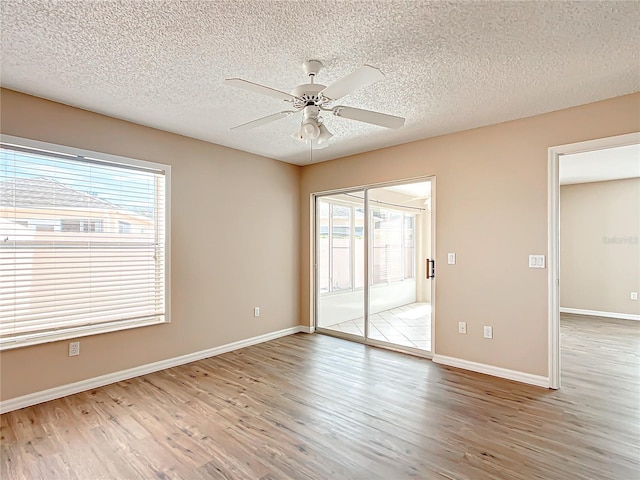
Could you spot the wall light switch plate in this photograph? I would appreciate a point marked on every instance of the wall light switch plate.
(451, 258)
(256, 312)
(536, 261)
(462, 327)
(488, 331)
(634, 295)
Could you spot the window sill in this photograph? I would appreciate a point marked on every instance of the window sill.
(28, 340)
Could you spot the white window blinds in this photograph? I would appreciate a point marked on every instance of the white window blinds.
(82, 245)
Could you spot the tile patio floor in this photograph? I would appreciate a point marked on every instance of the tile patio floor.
(408, 325)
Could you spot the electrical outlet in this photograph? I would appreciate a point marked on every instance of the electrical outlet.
(488, 331)
(634, 295)
(256, 312)
(462, 327)
(74, 349)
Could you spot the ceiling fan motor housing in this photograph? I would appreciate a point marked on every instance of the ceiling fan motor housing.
(308, 95)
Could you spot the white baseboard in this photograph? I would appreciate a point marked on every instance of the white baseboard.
(83, 385)
(596, 313)
(307, 329)
(537, 380)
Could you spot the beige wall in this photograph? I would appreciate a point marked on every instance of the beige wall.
(491, 209)
(234, 246)
(600, 246)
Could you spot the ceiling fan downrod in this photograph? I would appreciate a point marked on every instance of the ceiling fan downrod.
(311, 69)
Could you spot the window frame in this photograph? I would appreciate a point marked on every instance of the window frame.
(119, 325)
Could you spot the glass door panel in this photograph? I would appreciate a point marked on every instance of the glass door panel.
(399, 301)
(340, 263)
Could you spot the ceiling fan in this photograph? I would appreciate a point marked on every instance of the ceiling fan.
(312, 99)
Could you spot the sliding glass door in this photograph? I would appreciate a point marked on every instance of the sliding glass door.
(398, 312)
(340, 245)
(383, 235)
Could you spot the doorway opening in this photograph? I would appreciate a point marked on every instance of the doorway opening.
(594, 250)
(371, 246)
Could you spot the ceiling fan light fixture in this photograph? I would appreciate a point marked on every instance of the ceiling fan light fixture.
(309, 130)
(324, 136)
(319, 145)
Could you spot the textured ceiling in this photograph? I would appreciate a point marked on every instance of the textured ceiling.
(449, 66)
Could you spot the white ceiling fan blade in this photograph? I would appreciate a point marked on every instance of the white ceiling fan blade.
(262, 121)
(367, 116)
(255, 87)
(363, 76)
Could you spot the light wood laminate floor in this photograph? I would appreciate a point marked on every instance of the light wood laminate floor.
(318, 407)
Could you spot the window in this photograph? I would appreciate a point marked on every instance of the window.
(83, 243)
(124, 227)
(408, 255)
(393, 242)
(324, 273)
(341, 247)
(85, 225)
(335, 271)
(387, 246)
(359, 246)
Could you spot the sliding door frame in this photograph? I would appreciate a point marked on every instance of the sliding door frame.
(314, 280)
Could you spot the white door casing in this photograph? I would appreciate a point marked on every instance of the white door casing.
(553, 217)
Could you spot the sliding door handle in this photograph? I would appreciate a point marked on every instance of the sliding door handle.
(430, 268)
